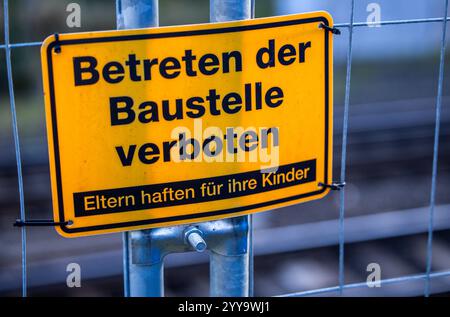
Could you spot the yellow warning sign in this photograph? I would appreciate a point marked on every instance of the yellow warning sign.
(163, 126)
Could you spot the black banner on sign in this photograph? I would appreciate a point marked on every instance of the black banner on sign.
(193, 191)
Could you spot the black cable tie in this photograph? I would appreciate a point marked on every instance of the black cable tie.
(333, 30)
(57, 45)
(40, 223)
(333, 186)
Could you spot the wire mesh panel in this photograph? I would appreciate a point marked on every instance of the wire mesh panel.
(427, 276)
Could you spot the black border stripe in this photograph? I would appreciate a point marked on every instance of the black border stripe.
(168, 35)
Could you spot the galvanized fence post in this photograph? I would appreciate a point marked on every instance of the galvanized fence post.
(232, 275)
(228, 240)
(229, 267)
(132, 14)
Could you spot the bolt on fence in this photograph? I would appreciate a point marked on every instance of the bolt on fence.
(143, 264)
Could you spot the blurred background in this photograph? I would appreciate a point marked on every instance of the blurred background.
(390, 149)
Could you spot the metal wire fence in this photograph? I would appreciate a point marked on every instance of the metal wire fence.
(427, 276)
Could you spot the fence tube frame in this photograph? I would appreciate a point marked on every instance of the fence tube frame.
(228, 240)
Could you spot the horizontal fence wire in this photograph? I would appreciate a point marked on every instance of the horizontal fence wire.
(393, 22)
(389, 281)
(427, 276)
(338, 25)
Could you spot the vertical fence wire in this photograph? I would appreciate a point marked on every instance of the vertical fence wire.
(15, 129)
(344, 150)
(435, 152)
